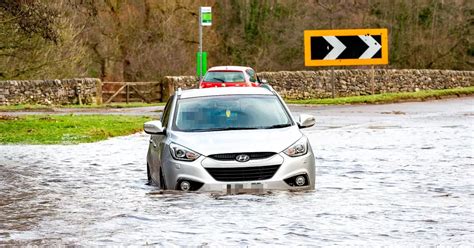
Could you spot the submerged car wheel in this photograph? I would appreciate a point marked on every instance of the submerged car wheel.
(162, 180)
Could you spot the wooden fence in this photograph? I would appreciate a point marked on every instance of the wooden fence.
(131, 92)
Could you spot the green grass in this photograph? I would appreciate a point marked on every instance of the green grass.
(66, 129)
(39, 107)
(388, 97)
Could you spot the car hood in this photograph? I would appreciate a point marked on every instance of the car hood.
(235, 141)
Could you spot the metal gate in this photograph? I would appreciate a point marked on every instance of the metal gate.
(131, 92)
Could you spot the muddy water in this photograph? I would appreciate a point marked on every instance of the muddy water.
(386, 175)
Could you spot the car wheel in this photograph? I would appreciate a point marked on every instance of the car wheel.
(148, 175)
(162, 180)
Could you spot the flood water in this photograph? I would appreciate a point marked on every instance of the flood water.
(397, 174)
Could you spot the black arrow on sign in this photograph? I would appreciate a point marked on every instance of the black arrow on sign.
(345, 47)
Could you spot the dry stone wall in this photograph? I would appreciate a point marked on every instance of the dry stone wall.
(65, 91)
(317, 84)
(290, 84)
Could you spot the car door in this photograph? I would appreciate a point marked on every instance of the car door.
(158, 143)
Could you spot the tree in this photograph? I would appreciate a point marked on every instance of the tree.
(36, 41)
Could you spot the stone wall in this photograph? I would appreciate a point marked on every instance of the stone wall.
(172, 83)
(317, 84)
(290, 84)
(65, 91)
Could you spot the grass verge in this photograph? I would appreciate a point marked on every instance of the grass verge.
(39, 107)
(66, 129)
(389, 97)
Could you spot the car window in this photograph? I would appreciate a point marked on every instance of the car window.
(230, 113)
(224, 76)
(166, 112)
(251, 74)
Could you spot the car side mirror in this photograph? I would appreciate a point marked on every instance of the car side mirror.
(305, 121)
(154, 127)
(263, 81)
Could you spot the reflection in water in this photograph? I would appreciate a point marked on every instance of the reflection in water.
(381, 179)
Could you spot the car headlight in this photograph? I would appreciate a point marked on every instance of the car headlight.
(182, 153)
(299, 148)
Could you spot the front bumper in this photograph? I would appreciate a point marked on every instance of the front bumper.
(177, 171)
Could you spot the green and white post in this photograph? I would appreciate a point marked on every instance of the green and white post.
(205, 19)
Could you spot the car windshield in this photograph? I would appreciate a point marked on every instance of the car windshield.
(224, 76)
(235, 112)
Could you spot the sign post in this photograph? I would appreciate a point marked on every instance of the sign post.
(205, 19)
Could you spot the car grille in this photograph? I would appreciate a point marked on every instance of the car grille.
(231, 156)
(243, 173)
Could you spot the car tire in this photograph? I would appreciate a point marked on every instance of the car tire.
(162, 180)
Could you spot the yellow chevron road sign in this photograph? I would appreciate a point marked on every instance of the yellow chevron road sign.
(345, 47)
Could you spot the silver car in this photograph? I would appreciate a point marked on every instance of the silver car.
(229, 139)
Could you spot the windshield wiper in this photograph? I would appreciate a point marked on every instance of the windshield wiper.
(231, 128)
(219, 79)
(235, 128)
(219, 129)
(278, 126)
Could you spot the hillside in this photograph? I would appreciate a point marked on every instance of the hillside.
(130, 40)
